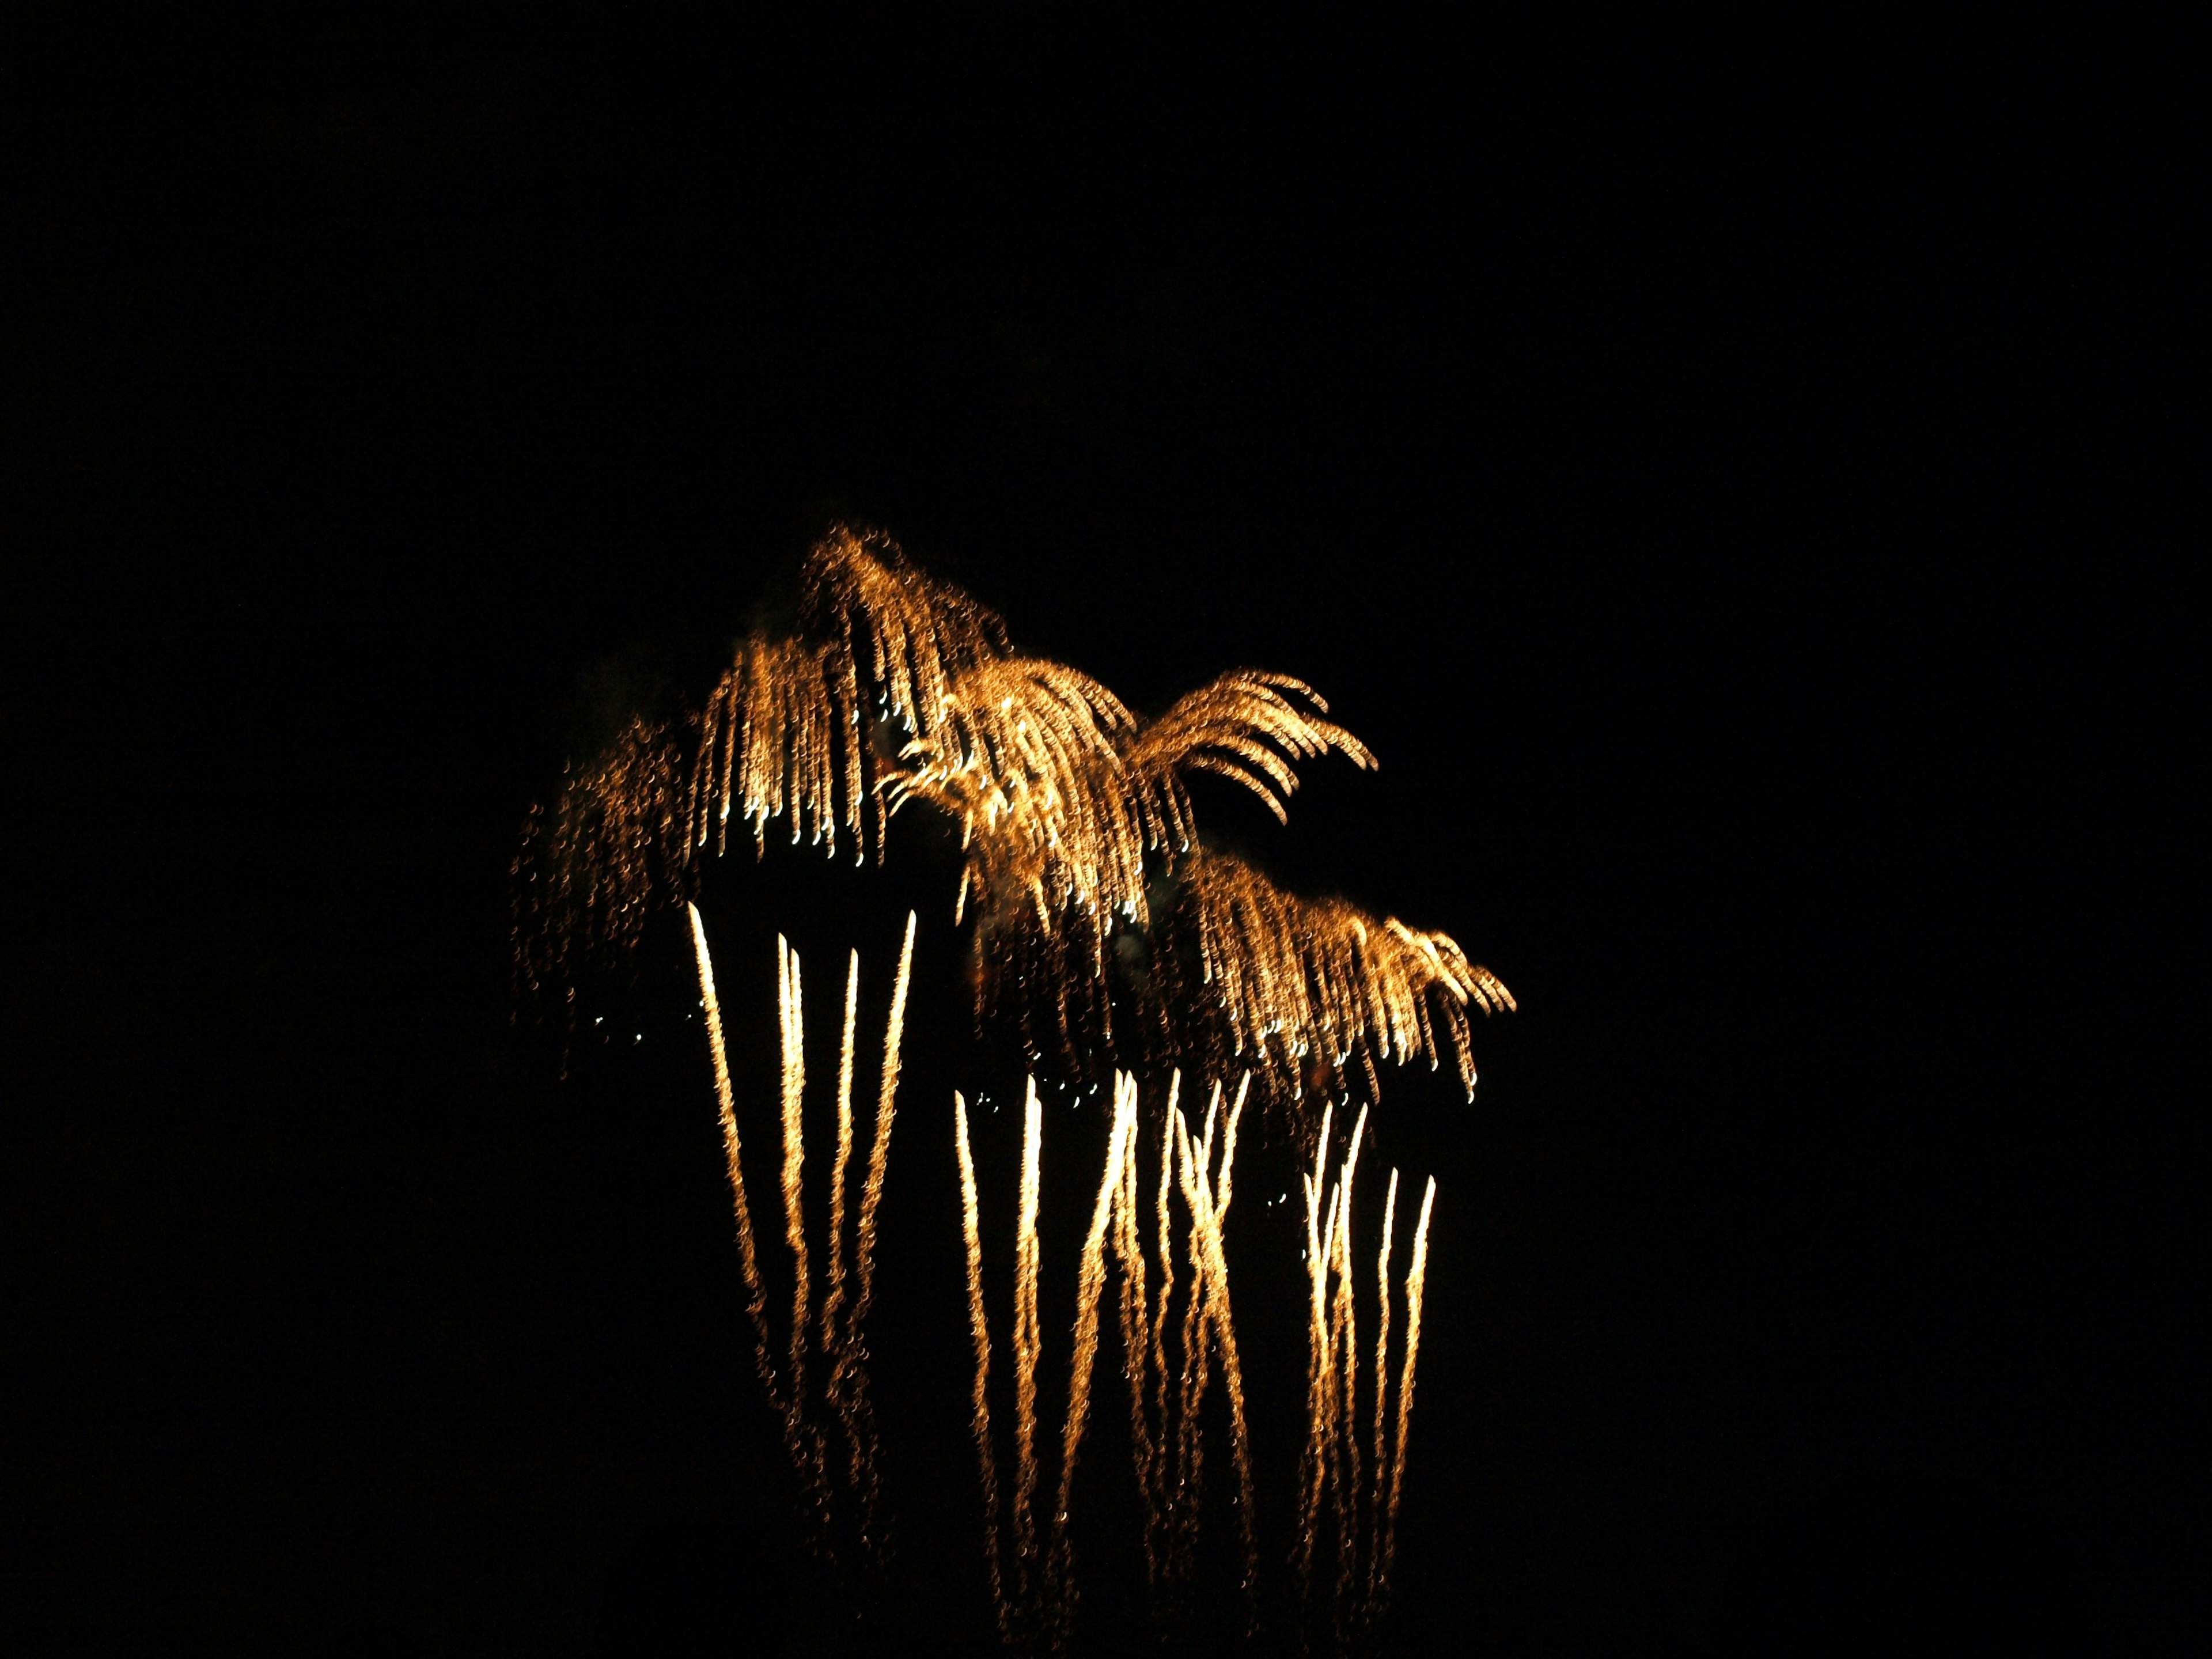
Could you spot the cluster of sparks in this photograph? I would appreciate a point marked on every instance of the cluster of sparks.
(1362, 1494)
(1170, 1348)
(1075, 820)
(835, 1342)
(1175, 1331)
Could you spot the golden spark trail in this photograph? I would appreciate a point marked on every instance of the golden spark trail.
(1162, 1398)
(792, 1008)
(849, 1378)
(886, 1108)
(837, 1338)
(1207, 1235)
(982, 1399)
(1091, 1280)
(1311, 1472)
(1414, 1277)
(1136, 1345)
(1346, 1413)
(1190, 1445)
(1382, 1383)
(1027, 1339)
(756, 1295)
(1340, 1221)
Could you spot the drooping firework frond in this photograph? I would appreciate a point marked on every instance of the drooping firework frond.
(1293, 980)
(888, 626)
(774, 740)
(1241, 727)
(1025, 758)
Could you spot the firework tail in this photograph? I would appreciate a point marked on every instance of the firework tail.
(1137, 1350)
(1312, 1464)
(791, 1006)
(1190, 1448)
(836, 1345)
(1089, 1282)
(1381, 1386)
(1345, 1418)
(1208, 1213)
(1157, 1363)
(748, 1257)
(986, 1459)
(886, 1110)
(1026, 1340)
(849, 1377)
(1414, 1277)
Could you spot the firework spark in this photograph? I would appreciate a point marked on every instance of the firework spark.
(843, 1316)
(1091, 1281)
(1364, 1494)
(1027, 1339)
(978, 1324)
(1209, 1209)
(1382, 1380)
(1293, 978)
(833, 1300)
(848, 1377)
(1415, 1278)
(748, 1257)
(791, 1007)
(591, 871)
(1139, 1354)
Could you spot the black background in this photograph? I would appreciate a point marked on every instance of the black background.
(1707, 470)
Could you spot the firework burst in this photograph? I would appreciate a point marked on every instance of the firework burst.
(1074, 817)
(1115, 941)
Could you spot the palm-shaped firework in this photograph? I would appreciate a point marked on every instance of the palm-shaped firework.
(1079, 848)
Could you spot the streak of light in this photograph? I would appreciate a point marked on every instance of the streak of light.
(1091, 1281)
(1382, 1381)
(791, 1007)
(1027, 1339)
(978, 1324)
(837, 1340)
(1415, 1277)
(747, 1258)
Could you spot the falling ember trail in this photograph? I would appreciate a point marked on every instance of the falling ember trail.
(1136, 1344)
(1225, 1330)
(850, 1377)
(1027, 1336)
(1414, 1278)
(794, 1219)
(1089, 1282)
(748, 1258)
(836, 1337)
(1345, 1413)
(1381, 1385)
(1312, 1473)
(981, 1400)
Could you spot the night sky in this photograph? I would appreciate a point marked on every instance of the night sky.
(1692, 466)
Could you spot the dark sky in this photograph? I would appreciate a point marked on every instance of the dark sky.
(1698, 467)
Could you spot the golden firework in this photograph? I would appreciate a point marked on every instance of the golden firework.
(1364, 1497)
(1120, 941)
(1074, 818)
(843, 1382)
(1292, 979)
